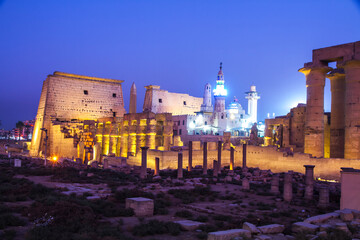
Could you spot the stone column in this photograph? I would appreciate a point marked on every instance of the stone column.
(352, 109)
(215, 168)
(337, 124)
(232, 154)
(190, 156)
(205, 158)
(323, 197)
(314, 123)
(106, 163)
(244, 157)
(143, 162)
(245, 184)
(219, 155)
(275, 184)
(157, 166)
(309, 181)
(288, 187)
(180, 165)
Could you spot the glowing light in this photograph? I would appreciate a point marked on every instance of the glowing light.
(220, 90)
(325, 180)
(199, 120)
(191, 125)
(54, 158)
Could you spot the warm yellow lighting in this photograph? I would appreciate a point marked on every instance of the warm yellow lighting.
(325, 180)
(54, 158)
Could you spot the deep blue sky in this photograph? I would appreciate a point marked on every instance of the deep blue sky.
(175, 44)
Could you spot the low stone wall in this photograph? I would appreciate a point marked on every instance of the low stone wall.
(261, 157)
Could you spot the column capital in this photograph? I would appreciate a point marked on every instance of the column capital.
(144, 148)
(336, 73)
(307, 70)
(309, 166)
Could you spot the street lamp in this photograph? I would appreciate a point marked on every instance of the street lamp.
(46, 138)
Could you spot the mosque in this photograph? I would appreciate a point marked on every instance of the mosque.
(216, 119)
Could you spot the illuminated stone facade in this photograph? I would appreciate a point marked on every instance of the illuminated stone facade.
(161, 101)
(345, 101)
(71, 98)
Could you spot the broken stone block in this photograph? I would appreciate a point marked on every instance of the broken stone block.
(272, 228)
(346, 215)
(321, 218)
(304, 227)
(228, 234)
(17, 163)
(251, 227)
(342, 227)
(143, 207)
(189, 225)
(325, 227)
(228, 179)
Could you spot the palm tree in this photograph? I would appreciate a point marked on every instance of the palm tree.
(20, 125)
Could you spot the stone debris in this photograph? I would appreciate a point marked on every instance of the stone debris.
(189, 225)
(143, 207)
(251, 227)
(228, 234)
(272, 228)
(321, 218)
(304, 227)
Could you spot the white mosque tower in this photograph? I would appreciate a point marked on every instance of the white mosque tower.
(220, 93)
(207, 106)
(252, 97)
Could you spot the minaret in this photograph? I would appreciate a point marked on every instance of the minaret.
(220, 92)
(219, 114)
(252, 97)
(207, 106)
(132, 106)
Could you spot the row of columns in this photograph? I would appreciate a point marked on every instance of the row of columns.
(345, 110)
(216, 164)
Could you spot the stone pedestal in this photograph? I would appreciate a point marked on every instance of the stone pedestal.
(157, 166)
(324, 197)
(180, 165)
(337, 124)
(314, 125)
(215, 168)
(143, 207)
(219, 155)
(106, 163)
(287, 195)
(309, 181)
(275, 184)
(17, 163)
(143, 162)
(205, 158)
(352, 110)
(245, 184)
(190, 156)
(232, 154)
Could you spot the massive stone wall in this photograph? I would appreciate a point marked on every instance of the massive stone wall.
(162, 101)
(261, 157)
(67, 97)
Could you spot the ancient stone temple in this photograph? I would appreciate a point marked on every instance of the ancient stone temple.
(345, 101)
(71, 99)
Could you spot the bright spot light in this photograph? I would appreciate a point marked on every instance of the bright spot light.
(54, 158)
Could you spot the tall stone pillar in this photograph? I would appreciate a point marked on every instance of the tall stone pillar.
(323, 197)
(314, 123)
(337, 125)
(352, 109)
(275, 184)
(215, 168)
(205, 158)
(143, 162)
(190, 156)
(288, 187)
(309, 181)
(219, 155)
(244, 157)
(180, 165)
(157, 166)
(232, 154)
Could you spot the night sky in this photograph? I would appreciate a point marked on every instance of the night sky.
(175, 44)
